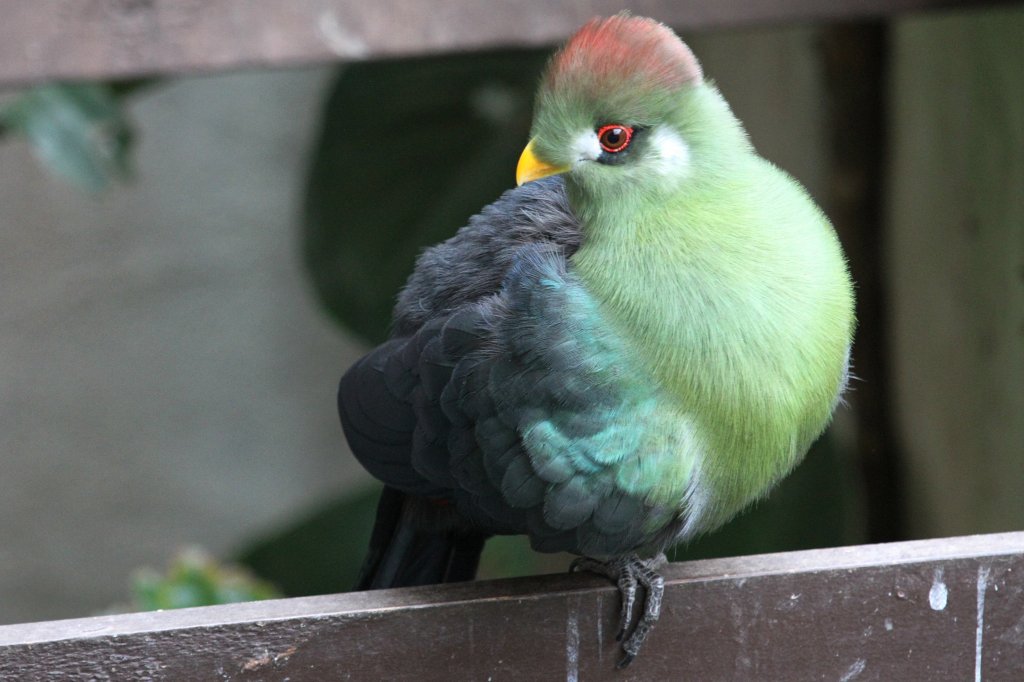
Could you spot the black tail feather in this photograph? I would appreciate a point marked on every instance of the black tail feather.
(403, 553)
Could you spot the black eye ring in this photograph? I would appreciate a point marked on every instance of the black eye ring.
(614, 137)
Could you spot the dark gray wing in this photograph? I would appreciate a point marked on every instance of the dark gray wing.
(473, 263)
(386, 412)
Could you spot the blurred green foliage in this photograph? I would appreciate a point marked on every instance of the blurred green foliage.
(407, 152)
(319, 553)
(79, 131)
(196, 579)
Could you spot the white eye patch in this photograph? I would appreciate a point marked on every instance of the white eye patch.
(669, 154)
(585, 147)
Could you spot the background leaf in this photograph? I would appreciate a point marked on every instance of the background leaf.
(321, 552)
(408, 151)
(194, 578)
(79, 131)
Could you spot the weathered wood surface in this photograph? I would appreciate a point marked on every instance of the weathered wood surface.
(950, 609)
(72, 39)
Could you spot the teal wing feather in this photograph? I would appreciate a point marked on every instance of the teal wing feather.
(546, 414)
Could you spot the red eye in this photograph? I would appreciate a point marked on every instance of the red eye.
(614, 138)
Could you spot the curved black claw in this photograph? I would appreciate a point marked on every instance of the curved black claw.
(628, 572)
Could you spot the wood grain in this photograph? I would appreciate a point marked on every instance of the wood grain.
(110, 39)
(925, 610)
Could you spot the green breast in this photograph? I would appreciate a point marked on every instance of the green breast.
(741, 311)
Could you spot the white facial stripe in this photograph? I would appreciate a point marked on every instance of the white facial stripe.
(669, 153)
(585, 147)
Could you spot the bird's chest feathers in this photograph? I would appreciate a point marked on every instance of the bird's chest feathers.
(687, 307)
(725, 316)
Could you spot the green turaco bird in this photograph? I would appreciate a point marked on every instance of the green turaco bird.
(620, 354)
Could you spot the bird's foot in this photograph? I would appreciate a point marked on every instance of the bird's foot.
(627, 572)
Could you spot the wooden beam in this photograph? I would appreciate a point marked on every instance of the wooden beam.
(934, 609)
(111, 39)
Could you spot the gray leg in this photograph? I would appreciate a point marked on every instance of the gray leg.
(627, 572)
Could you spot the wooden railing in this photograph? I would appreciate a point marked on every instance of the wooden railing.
(75, 39)
(949, 609)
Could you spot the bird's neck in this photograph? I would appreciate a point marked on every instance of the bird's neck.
(638, 272)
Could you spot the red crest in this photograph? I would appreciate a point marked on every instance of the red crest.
(627, 47)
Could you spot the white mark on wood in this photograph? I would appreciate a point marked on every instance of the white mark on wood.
(854, 671)
(572, 648)
(888, 624)
(600, 628)
(267, 658)
(980, 632)
(742, 661)
(939, 594)
(341, 41)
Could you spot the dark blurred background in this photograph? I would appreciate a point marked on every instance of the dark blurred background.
(187, 265)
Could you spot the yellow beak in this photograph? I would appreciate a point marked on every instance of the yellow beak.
(531, 168)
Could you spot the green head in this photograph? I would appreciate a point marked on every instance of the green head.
(624, 106)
